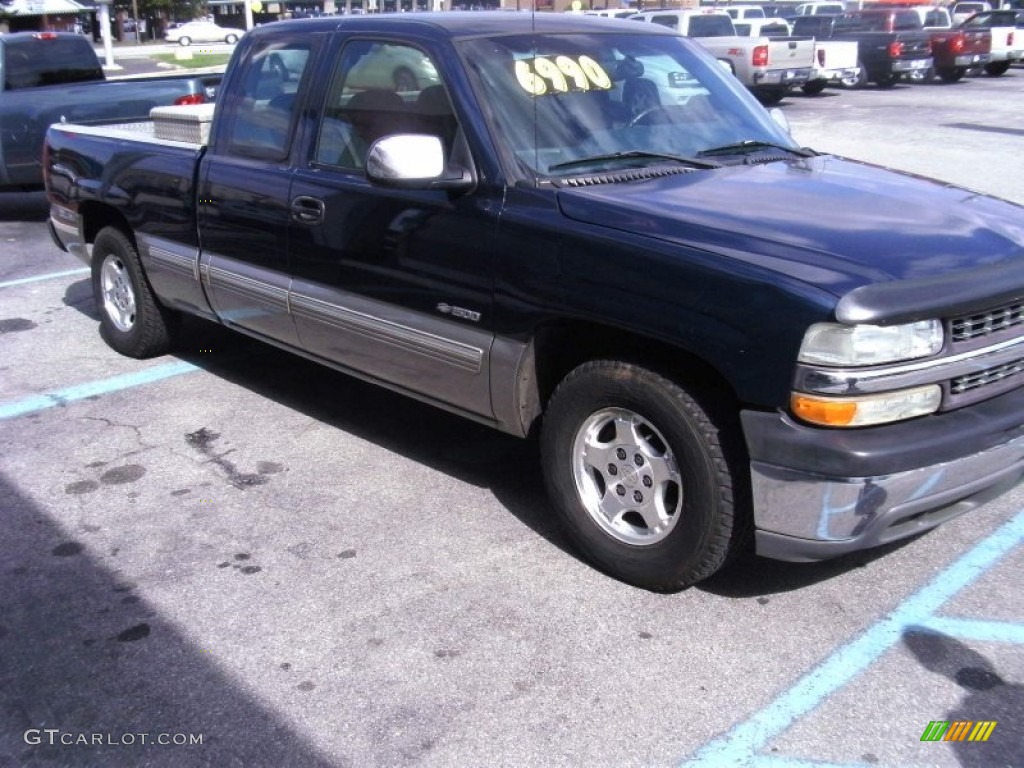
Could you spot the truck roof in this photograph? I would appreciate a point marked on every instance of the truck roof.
(463, 24)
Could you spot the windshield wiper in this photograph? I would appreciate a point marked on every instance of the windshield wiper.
(750, 145)
(634, 154)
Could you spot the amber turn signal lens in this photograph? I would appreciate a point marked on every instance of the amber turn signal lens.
(867, 410)
(830, 413)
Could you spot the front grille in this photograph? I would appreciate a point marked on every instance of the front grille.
(985, 377)
(970, 327)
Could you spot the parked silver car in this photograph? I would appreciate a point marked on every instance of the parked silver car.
(203, 32)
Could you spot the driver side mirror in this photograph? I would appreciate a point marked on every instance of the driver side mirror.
(414, 161)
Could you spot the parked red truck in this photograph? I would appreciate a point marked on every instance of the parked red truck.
(954, 49)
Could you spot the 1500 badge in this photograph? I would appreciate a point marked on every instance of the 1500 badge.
(461, 312)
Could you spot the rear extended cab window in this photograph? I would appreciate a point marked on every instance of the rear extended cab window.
(711, 26)
(261, 114)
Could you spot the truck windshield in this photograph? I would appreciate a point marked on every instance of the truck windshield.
(618, 98)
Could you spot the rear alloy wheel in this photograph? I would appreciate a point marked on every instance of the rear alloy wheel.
(997, 68)
(641, 476)
(231, 39)
(131, 320)
(184, 41)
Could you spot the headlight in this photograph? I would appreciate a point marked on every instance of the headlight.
(865, 410)
(855, 345)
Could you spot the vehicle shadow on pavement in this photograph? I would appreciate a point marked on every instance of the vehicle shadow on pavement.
(987, 697)
(751, 576)
(82, 654)
(509, 467)
(78, 295)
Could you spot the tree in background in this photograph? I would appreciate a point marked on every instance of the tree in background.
(158, 14)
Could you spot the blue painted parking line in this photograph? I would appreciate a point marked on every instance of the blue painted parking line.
(40, 278)
(33, 403)
(740, 747)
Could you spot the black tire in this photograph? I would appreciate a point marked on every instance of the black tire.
(887, 80)
(676, 452)
(997, 68)
(770, 96)
(405, 80)
(814, 87)
(952, 74)
(131, 320)
(231, 39)
(184, 41)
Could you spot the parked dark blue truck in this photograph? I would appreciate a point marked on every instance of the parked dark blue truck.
(586, 230)
(52, 77)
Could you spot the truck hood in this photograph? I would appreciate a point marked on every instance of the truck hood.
(826, 221)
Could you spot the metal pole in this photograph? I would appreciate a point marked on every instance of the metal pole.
(108, 48)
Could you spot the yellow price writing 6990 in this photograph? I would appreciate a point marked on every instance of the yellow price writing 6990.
(541, 75)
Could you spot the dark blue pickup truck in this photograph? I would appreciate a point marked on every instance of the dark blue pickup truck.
(52, 77)
(585, 230)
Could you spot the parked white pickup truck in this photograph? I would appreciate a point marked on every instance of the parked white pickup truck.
(835, 61)
(768, 67)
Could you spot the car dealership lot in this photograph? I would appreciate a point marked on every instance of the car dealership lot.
(301, 569)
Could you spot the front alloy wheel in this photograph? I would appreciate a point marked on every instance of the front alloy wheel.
(646, 476)
(627, 477)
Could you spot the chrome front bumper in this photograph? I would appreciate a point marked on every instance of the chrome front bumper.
(801, 514)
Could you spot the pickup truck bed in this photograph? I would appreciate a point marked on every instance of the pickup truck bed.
(519, 241)
(957, 50)
(835, 61)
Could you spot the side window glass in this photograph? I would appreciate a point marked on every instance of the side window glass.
(380, 89)
(263, 109)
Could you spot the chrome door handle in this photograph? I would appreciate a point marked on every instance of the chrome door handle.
(308, 210)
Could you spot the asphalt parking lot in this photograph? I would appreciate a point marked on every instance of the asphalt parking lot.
(231, 557)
